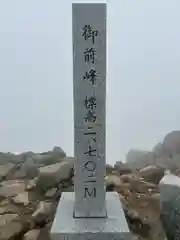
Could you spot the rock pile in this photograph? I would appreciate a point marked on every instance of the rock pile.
(31, 185)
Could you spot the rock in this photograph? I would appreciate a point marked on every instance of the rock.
(122, 168)
(59, 152)
(137, 159)
(51, 193)
(112, 182)
(7, 207)
(158, 150)
(170, 202)
(6, 158)
(152, 174)
(27, 170)
(7, 218)
(44, 234)
(31, 184)
(43, 213)
(11, 231)
(22, 198)
(11, 188)
(109, 169)
(5, 169)
(32, 235)
(175, 162)
(157, 231)
(50, 176)
(171, 143)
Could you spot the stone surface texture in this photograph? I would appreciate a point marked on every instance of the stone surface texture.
(113, 227)
(89, 167)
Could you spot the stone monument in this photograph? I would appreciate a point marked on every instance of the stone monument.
(89, 213)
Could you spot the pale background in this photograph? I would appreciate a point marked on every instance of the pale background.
(143, 79)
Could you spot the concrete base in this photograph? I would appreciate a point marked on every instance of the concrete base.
(114, 227)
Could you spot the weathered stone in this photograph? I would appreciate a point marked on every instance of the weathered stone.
(7, 207)
(112, 182)
(52, 175)
(11, 188)
(28, 170)
(11, 230)
(32, 235)
(170, 198)
(109, 169)
(152, 174)
(51, 193)
(7, 218)
(137, 159)
(43, 213)
(158, 150)
(171, 143)
(22, 198)
(122, 168)
(5, 169)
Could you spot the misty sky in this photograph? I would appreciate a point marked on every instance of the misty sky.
(143, 75)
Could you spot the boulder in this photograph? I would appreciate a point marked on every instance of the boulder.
(51, 193)
(44, 213)
(112, 182)
(122, 168)
(22, 198)
(29, 169)
(7, 207)
(5, 170)
(152, 174)
(170, 202)
(7, 218)
(32, 235)
(11, 231)
(171, 143)
(50, 176)
(11, 188)
(158, 150)
(137, 159)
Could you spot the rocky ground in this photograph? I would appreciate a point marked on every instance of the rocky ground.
(31, 185)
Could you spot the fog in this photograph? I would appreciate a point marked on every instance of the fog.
(36, 99)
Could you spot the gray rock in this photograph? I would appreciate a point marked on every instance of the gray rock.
(122, 168)
(137, 159)
(158, 150)
(152, 174)
(11, 188)
(7, 218)
(170, 201)
(32, 235)
(51, 193)
(43, 213)
(29, 169)
(22, 198)
(171, 143)
(50, 176)
(11, 231)
(5, 169)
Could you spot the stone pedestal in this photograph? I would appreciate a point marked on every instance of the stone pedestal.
(114, 227)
